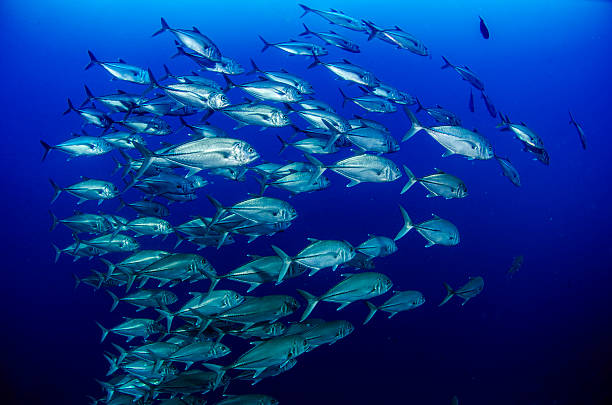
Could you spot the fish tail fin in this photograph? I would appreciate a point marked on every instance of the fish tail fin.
(220, 210)
(110, 265)
(407, 224)
(164, 27)
(58, 252)
(411, 179)
(449, 294)
(312, 303)
(306, 31)
(152, 79)
(112, 365)
(168, 315)
(255, 68)
(92, 60)
(314, 63)
(315, 162)
(77, 280)
(56, 190)
(167, 74)
(287, 260)
(414, 127)
(572, 120)
(179, 239)
(104, 331)
(306, 10)
(122, 204)
(115, 300)
(373, 29)
(70, 108)
(344, 97)
(218, 370)
(54, 221)
(147, 155)
(373, 308)
(179, 51)
(284, 144)
(266, 43)
(47, 149)
(447, 64)
(419, 105)
(88, 96)
(122, 353)
(229, 84)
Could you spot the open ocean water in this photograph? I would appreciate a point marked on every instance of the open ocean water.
(539, 337)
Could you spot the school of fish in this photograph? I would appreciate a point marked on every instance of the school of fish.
(175, 350)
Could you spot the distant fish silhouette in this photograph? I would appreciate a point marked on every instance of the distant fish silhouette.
(483, 29)
(471, 101)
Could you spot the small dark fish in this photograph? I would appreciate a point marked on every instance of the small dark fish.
(483, 29)
(489, 104)
(517, 262)
(471, 101)
(540, 153)
(579, 129)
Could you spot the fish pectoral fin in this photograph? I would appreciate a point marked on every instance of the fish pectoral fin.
(343, 305)
(258, 371)
(353, 183)
(448, 153)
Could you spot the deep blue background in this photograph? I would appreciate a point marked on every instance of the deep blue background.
(540, 338)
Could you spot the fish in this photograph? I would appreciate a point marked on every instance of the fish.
(361, 261)
(509, 171)
(131, 328)
(345, 70)
(372, 139)
(204, 130)
(466, 74)
(194, 78)
(363, 168)
(327, 333)
(176, 266)
(268, 90)
(333, 38)
(337, 18)
(269, 308)
(436, 231)
(194, 40)
(456, 139)
(377, 246)
(205, 153)
(320, 254)
(147, 125)
(294, 47)
(310, 145)
(137, 261)
(489, 105)
(119, 102)
(273, 352)
(87, 189)
(111, 243)
(398, 37)
(204, 305)
(271, 371)
(400, 301)
(354, 287)
(323, 119)
(299, 182)
(370, 103)
(91, 116)
(257, 114)
(282, 76)
(540, 154)
(522, 132)
(83, 223)
(121, 70)
(469, 290)
(391, 93)
(315, 105)
(199, 352)
(196, 95)
(517, 263)
(439, 184)
(258, 209)
(440, 114)
(152, 226)
(484, 31)
(145, 298)
(123, 140)
(146, 207)
(579, 130)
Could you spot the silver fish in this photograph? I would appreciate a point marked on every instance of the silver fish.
(333, 38)
(121, 70)
(194, 40)
(471, 289)
(465, 73)
(437, 231)
(348, 71)
(509, 171)
(88, 189)
(400, 301)
(294, 47)
(354, 287)
(438, 184)
(398, 37)
(337, 18)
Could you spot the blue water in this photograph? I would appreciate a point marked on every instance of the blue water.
(541, 337)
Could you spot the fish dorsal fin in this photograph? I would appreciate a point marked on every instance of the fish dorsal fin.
(347, 61)
(85, 178)
(475, 130)
(292, 40)
(332, 32)
(435, 216)
(195, 29)
(284, 70)
(254, 256)
(439, 106)
(122, 61)
(165, 144)
(121, 92)
(398, 28)
(439, 171)
(523, 123)
(312, 240)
